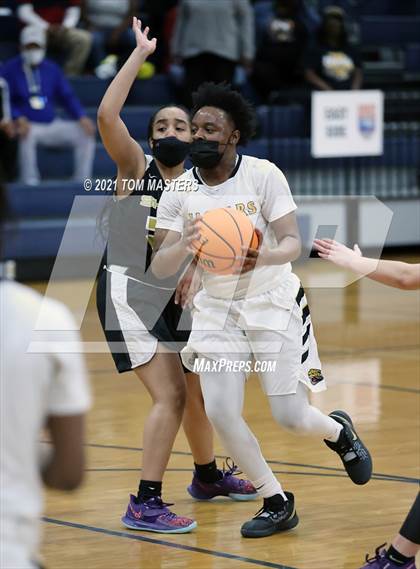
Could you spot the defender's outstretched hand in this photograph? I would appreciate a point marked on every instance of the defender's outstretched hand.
(392, 273)
(336, 252)
(147, 46)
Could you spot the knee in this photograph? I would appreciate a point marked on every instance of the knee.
(220, 415)
(176, 399)
(295, 423)
(81, 39)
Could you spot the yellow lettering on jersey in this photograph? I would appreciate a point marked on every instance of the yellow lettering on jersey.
(148, 201)
(251, 208)
(151, 223)
(240, 207)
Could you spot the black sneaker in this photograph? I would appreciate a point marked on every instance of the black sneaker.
(267, 521)
(353, 453)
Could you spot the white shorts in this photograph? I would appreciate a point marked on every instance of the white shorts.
(274, 326)
(125, 305)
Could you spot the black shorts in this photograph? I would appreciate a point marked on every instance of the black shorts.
(135, 317)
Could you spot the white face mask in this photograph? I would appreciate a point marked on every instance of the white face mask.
(33, 56)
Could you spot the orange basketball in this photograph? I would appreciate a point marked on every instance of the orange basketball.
(223, 232)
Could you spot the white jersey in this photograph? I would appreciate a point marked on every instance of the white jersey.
(33, 387)
(256, 187)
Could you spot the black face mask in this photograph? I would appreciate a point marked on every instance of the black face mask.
(205, 153)
(170, 151)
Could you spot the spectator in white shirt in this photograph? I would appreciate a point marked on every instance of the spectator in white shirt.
(59, 19)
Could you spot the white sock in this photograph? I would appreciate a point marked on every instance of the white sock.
(268, 485)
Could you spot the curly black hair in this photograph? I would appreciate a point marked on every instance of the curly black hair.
(222, 96)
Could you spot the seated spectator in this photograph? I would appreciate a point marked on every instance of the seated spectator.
(59, 19)
(331, 63)
(110, 26)
(211, 39)
(279, 56)
(35, 83)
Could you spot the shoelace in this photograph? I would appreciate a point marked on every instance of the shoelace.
(158, 503)
(264, 510)
(231, 470)
(377, 554)
(231, 467)
(166, 516)
(346, 450)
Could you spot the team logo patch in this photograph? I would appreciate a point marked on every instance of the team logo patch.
(366, 118)
(315, 376)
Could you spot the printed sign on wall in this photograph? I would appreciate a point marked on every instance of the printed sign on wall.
(347, 123)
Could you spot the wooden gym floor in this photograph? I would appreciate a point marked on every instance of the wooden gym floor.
(368, 337)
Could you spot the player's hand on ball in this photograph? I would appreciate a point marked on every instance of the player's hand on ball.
(143, 43)
(251, 256)
(336, 252)
(191, 233)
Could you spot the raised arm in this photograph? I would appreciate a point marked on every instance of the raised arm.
(392, 273)
(121, 147)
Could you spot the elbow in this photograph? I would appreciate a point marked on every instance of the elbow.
(157, 268)
(406, 281)
(297, 249)
(72, 482)
(104, 116)
(64, 475)
(67, 481)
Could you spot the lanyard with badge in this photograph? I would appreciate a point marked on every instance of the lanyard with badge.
(33, 78)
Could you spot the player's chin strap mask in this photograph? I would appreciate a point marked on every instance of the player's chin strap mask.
(205, 153)
(170, 151)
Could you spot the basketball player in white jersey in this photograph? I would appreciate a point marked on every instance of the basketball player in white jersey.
(48, 389)
(261, 312)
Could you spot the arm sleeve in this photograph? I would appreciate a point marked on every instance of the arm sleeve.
(69, 391)
(245, 16)
(71, 17)
(169, 212)
(277, 200)
(28, 16)
(67, 98)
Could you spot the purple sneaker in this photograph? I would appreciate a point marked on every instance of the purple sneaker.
(154, 515)
(230, 485)
(381, 562)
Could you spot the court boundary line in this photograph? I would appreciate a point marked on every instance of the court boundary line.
(400, 477)
(155, 541)
(385, 478)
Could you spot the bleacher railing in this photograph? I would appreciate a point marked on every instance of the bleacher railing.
(395, 174)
